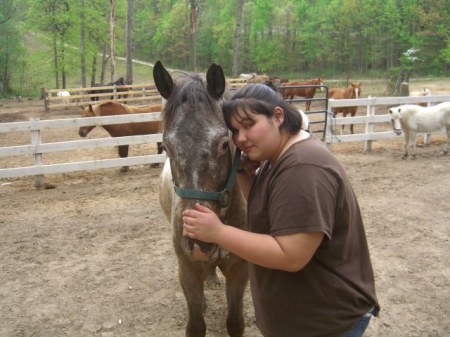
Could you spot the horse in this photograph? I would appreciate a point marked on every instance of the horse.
(64, 95)
(306, 90)
(424, 92)
(118, 83)
(200, 168)
(126, 129)
(413, 118)
(352, 91)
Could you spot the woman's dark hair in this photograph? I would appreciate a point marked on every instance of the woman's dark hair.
(257, 98)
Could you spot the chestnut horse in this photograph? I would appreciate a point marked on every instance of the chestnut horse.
(306, 90)
(126, 129)
(352, 91)
(200, 167)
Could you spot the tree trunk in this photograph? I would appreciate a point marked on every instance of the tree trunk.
(82, 46)
(55, 60)
(113, 37)
(194, 14)
(94, 70)
(237, 38)
(129, 75)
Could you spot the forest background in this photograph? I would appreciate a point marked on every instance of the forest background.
(70, 43)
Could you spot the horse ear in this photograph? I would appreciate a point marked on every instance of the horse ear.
(163, 80)
(215, 80)
(90, 108)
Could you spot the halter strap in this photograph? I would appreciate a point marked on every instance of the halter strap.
(222, 196)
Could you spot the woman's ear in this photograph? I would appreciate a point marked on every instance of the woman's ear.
(278, 115)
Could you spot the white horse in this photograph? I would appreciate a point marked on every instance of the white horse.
(414, 118)
(64, 95)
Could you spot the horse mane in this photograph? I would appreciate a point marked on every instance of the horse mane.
(189, 90)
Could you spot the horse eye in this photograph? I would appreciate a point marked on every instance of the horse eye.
(225, 145)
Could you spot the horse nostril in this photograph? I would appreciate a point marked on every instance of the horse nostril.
(204, 246)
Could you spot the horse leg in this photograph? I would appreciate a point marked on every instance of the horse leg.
(405, 145)
(445, 151)
(412, 145)
(160, 150)
(308, 105)
(344, 114)
(351, 125)
(191, 280)
(123, 153)
(236, 274)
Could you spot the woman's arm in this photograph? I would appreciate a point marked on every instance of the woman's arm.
(288, 252)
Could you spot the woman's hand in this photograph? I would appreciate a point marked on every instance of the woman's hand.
(202, 224)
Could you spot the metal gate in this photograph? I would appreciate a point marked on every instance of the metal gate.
(318, 114)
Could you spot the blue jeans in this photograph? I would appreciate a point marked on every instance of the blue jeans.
(360, 326)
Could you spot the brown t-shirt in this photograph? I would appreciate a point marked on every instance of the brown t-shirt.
(307, 190)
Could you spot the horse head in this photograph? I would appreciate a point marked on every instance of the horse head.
(120, 81)
(196, 140)
(319, 82)
(86, 111)
(356, 90)
(396, 114)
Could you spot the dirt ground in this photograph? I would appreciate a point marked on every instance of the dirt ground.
(93, 256)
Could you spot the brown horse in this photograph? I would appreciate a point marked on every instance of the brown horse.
(126, 129)
(306, 90)
(352, 91)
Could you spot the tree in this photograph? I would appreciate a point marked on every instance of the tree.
(129, 33)
(113, 38)
(195, 9)
(237, 37)
(82, 45)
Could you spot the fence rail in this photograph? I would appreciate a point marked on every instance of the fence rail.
(136, 94)
(37, 148)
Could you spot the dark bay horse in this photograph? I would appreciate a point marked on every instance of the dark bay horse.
(200, 162)
(304, 91)
(352, 91)
(126, 129)
(120, 82)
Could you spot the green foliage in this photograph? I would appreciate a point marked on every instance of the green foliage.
(289, 38)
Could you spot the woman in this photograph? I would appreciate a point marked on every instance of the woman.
(310, 268)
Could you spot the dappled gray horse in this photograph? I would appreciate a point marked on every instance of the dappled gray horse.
(201, 168)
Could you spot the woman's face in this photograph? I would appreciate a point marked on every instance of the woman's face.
(258, 136)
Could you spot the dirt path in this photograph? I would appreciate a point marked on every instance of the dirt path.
(93, 256)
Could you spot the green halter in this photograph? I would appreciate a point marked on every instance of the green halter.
(222, 196)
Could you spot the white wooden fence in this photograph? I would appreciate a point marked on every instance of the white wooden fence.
(36, 149)
(370, 119)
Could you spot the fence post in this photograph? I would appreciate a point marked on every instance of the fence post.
(44, 95)
(36, 140)
(369, 127)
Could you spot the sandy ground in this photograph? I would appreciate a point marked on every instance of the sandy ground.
(93, 256)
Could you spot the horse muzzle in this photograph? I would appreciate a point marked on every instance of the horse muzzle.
(396, 127)
(199, 250)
